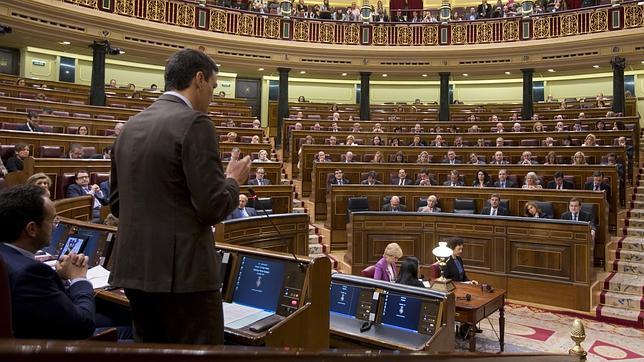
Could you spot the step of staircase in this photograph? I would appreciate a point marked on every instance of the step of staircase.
(633, 256)
(619, 315)
(634, 222)
(633, 231)
(624, 283)
(631, 243)
(621, 266)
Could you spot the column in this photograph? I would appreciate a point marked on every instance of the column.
(365, 111)
(282, 105)
(527, 110)
(97, 88)
(443, 112)
(618, 64)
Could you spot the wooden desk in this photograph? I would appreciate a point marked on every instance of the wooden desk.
(481, 305)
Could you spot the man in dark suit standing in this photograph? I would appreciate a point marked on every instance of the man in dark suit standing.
(495, 208)
(504, 181)
(260, 178)
(41, 305)
(33, 123)
(394, 205)
(598, 184)
(484, 10)
(242, 211)
(165, 257)
(559, 183)
(339, 178)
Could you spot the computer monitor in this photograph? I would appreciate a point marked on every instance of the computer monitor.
(401, 311)
(259, 283)
(351, 301)
(58, 235)
(75, 243)
(95, 243)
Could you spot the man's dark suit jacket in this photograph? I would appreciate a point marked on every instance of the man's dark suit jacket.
(456, 161)
(334, 181)
(397, 181)
(75, 190)
(401, 208)
(602, 187)
(484, 11)
(449, 183)
(237, 214)
(583, 216)
(501, 211)
(366, 182)
(255, 182)
(41, 307)
(508, 184)
(166, 243)
(451, 271)
(105, 189)
(24, 127)
(14, 164)
(567, 185)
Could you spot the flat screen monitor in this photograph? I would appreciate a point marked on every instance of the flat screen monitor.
(75, 243)
(57, 236)
(259, 283)
(345, 299)
(401, 311)
(95, 243)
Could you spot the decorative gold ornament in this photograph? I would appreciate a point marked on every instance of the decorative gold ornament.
(430, 35)
(155, 10)
(124, 7)
(246, 25)
(380, 35)
(404, 35)
(301, 31)
(484, 32)
(578, 335)
(542, 27)
(569, 24)
(218, 20)
(185, 15)
(352, 34)
(510, 30)
(459, 34)
(599, 20)
(633, 16)
(272, 27)
(326, 32)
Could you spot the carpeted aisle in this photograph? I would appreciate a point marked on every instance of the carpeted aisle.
(529, 329)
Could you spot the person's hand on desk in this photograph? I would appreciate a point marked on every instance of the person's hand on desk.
(239, 170)
(72, 266)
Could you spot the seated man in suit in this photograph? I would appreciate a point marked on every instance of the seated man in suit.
(454, 179)
(234, 155)
(402, 179)
(454, 268)
(75, 151)
(339, 179)
(16, 162)
(259, 179)
(526, 159)
(495, 207)
(371, 179)
(242, 211)
(559, 183)
(348, 157)
(33, 123)
(42, 307)
(424, 179)
(451, 158)
(431, 207)
(81, 187)
(498, 159)
(394, 205)
(575, 213)
(598, 184)
(503, 180)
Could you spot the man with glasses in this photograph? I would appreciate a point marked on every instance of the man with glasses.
(260, 179)
(81, 187)
(42, 306)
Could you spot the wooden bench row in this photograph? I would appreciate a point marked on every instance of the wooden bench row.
(337, 202)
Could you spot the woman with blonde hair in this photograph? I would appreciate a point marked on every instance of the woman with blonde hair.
(551, 158)
(41, 180)
(531, 181)
(378, 158)
(423, 157)
(579, 159)
(386, 267)
(538, 127)
(590, 140)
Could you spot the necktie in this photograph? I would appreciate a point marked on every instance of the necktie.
(453, 184)
(243, 212)
(400, 183)
(596, 187)
(574, 217)
(559, 187)
(340, 182)
(493, 213)
(503, 184)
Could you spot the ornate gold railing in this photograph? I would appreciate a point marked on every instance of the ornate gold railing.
(236, 22)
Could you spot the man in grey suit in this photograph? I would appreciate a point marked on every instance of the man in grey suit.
(260, 178)
(165, 257)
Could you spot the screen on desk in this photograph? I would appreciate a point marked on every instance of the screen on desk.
(75, 243)
(259, 283)
(401, 311)
(345, 299)
(95, 239)
(61, 230)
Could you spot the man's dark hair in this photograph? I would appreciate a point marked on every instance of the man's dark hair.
(20, 205)
(574, 199)
(184, 65)
(19, 146)
(452, 243)
(32, 114)
(424, 170)
(372, 174)
(558, 174)
(598, 174)
(80, 171)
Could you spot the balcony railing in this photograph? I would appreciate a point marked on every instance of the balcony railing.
(236, 22)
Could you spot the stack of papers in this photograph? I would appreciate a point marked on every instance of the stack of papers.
(98, 277)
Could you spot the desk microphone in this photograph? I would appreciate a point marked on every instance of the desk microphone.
(253, 196)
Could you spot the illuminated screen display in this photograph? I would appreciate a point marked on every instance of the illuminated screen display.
(259, 283)
(401, 311)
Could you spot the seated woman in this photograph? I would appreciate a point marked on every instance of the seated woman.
(590, 141)
(400, 157)
(423, 157)
(40, 179)
(377, 141)
(378, 158)
(532, 210)
(409, 272)
(482, 179)
(454, 267)
(386, 268)
(531, 181)
(579, 159)
(538, 127)
(551, 158)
